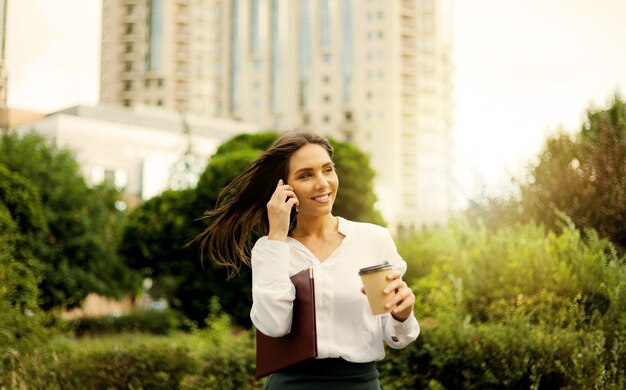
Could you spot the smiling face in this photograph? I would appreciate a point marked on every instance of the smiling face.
(314, 180)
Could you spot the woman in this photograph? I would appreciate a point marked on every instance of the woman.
(297, 171)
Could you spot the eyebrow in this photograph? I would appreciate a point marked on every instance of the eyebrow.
(311, 169)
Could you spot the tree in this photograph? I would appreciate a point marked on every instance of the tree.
(582, 176)
(78, 250)
(356, 197)
(21, 223)
(155, 233)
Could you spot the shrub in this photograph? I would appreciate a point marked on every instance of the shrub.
(136, 367)
(516, 307)
(462, 355)
(145, 321)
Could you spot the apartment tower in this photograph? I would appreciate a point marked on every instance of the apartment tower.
(376, 73)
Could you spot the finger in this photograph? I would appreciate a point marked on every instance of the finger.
(398, 306)
(292, 201)
(394, 286)
(280, 183)
(406, 304)
(397, 298)
(281, 195)
(393, 275)
(363, 291)
(404, 299)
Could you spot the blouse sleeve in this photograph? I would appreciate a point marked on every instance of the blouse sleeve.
(397, 334)
(272, 290)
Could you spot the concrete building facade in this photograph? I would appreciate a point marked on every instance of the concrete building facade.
(138, 149)
(377, 73)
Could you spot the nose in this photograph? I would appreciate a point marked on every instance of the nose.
(321, 182)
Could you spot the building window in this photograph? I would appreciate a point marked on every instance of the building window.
(235, 59)
(326, 119)
(255, 46)
(326, 99)
(128, 85)
(159, 102)
(126, 103)
(155, 35)
(346, 53)
(129, 29)
(325, 25)
(129, 10)
(129, 48)
(326, 79)
(146, 83)
(304, 53)
(159, 83)
(276, 58)
(128, 66)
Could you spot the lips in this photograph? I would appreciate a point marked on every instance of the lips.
(322, 198)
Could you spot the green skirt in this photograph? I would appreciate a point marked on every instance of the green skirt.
(326, 374)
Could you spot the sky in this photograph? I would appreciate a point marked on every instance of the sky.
(524, 69)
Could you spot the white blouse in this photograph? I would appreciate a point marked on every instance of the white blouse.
(346, 327)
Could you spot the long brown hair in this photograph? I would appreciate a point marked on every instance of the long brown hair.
(241, 208)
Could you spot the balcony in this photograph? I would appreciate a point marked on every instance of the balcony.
(129, 75)
(129, 38)
(129, 56)
(182, 37)
(407, 9)
(130, 94)
(130, 18)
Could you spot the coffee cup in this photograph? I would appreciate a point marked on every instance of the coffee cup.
(374, 280)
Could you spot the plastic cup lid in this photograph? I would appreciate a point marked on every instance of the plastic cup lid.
(375, 268)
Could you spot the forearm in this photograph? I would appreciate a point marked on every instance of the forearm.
(272, 290)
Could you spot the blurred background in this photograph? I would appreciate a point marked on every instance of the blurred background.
(487, 135)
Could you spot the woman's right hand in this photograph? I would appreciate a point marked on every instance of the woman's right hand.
(279, 211)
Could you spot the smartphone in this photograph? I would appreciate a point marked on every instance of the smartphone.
(293, 217)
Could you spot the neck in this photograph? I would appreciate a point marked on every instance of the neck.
(315, 226)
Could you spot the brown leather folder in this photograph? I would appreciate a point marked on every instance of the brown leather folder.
(275, 353)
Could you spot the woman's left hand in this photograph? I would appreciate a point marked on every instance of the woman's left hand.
(401, 305)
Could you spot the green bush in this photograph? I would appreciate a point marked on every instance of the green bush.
(216, 357)
(136, 367)
(463, 355)
(228, 360)
(566, 280)
(144, 321)
(516, 307)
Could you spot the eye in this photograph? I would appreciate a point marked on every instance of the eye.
(329, 169)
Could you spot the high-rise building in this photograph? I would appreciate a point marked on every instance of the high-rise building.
(377, 73)
(4, 118)
(158, 52)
